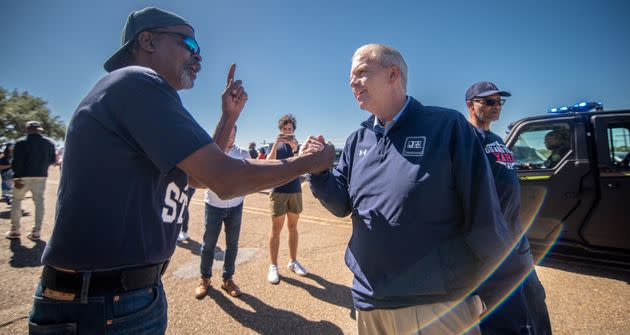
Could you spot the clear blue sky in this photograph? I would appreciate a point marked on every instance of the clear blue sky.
(294, 56)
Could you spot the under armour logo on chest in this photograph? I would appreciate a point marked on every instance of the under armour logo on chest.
(362, 152)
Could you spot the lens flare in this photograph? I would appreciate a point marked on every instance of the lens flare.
(528, 216)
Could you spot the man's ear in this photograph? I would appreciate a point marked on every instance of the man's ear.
(146, 41)
(394, 72)
(470, 105)
(471, 110)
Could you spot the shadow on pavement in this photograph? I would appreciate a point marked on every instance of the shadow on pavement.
(329, 292)
(24, 257)
(7, 214)
(192, 245)
(594, 269)
(195, 249)
(269, 320)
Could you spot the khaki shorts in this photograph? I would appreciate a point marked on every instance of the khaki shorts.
(283, 203)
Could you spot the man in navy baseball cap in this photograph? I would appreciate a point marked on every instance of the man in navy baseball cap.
(523, 311)
(483, 89)
(484, 102)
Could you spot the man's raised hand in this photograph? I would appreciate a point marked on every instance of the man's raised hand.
(234, 96)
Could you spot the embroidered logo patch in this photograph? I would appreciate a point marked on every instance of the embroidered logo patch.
(414, 146)
(362, 152)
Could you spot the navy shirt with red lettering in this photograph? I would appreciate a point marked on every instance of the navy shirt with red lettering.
(502, 165)
(520, 260)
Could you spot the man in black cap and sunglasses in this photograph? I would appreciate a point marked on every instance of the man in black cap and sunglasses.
(524, 311)
(132, 152)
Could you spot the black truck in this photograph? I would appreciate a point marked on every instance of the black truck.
(574, 169)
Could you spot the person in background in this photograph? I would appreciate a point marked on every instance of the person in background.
(523, 310)
(7, 173)
(183, 234)
(60, 157)
(558, 142)
(253, 154)
(285, 202)
(32, 155)
(261, 153)
(230, 213)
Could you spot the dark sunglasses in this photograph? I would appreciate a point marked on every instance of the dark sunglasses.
(189, 42)
(490, 102)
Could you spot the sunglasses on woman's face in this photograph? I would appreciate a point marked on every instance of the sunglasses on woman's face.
(189, 42)
(490, 102)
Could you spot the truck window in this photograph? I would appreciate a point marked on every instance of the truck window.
(542, 146)
(619, 144)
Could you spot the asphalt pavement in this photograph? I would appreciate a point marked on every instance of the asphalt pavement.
(581, 299)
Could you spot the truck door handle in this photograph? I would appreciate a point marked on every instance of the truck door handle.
(612, 186)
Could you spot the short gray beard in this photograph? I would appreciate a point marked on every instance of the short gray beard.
(479, 116)
(186, 81)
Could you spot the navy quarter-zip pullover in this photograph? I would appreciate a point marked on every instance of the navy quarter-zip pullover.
(426, 220)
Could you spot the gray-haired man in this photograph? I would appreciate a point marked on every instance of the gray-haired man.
(425, 229)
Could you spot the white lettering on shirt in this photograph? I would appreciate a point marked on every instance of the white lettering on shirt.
(171, 198)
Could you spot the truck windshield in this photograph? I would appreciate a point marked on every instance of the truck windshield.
(542, 146)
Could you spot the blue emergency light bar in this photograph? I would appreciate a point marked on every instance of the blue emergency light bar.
(578, 107)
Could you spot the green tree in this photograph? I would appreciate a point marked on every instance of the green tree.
(18, 108)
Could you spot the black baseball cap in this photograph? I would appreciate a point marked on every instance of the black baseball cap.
(137, 22)
(484, 89)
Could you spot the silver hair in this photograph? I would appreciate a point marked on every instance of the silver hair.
(386, 56)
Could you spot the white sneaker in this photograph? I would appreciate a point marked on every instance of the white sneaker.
(273, 276)
(297, 268)
(12, 234)
(183, 236)
(33, 236)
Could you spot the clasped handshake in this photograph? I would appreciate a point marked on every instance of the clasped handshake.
(233, 100)
(320, 147)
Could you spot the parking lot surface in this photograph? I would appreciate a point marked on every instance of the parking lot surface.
(581, 299)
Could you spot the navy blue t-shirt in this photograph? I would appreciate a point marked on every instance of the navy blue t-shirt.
(506, 181)
(121, 199)
(283, 151)
(519, 261)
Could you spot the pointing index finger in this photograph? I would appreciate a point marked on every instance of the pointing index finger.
(230, 76)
